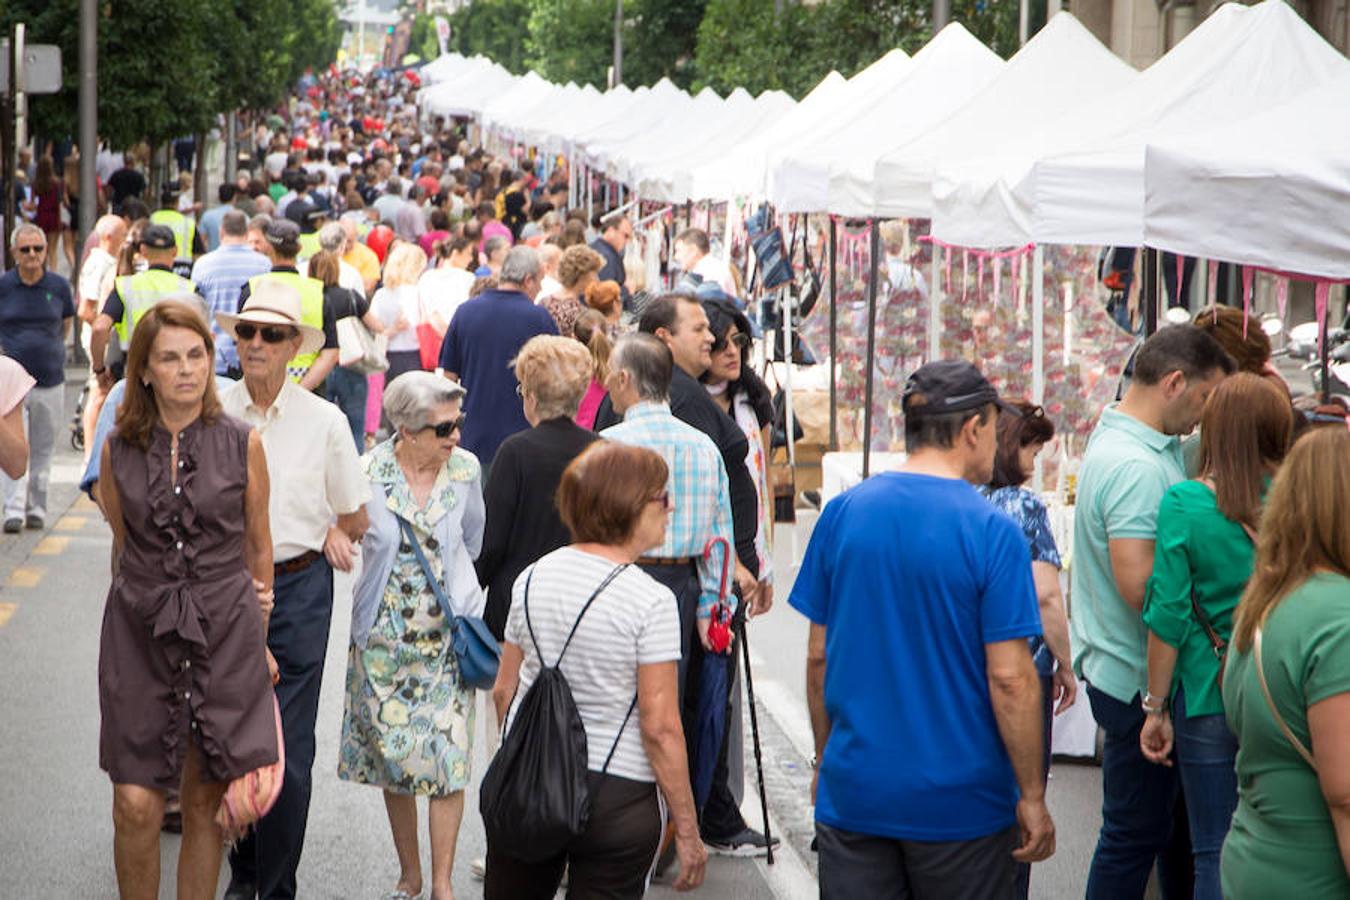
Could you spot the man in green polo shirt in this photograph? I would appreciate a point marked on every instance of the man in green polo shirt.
(1133, 457)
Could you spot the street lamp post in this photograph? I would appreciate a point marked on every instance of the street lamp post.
(618, 43)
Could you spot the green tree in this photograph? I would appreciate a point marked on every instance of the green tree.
(660, 39)
(571, 40)
(494, 28)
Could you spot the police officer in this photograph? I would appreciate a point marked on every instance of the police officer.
(188, 244)
(283, 246)
(133, 295)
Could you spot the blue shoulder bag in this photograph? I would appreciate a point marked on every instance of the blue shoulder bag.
(476, 650)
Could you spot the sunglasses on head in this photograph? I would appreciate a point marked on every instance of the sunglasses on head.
(445, 429)
(271, 334)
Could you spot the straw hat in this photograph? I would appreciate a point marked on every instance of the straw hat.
(274, 304)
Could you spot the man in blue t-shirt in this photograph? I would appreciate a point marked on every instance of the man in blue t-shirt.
(924, 699)
(37, 308)
(484, 336)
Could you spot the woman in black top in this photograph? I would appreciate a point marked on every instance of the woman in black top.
(522, 517)
(347, 389)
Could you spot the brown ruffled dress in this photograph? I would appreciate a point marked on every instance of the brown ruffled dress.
(181, 655)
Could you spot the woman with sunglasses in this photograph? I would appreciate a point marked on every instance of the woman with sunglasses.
(407, 723)
(741, 394)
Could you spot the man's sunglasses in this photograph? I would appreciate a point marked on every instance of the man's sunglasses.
(742, 342)
(271, 334)
(445, 429)
(31, 248)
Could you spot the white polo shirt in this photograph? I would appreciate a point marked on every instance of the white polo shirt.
(312, 466)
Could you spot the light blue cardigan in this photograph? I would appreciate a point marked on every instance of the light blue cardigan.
(459, 533)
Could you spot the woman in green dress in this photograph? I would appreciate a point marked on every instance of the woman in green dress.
(1291, 832)
(1202, 559)
(407, 724)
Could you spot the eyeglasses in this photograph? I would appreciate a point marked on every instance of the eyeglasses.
(445, 429)
(31, 248)
(741, 341)
(271, 334)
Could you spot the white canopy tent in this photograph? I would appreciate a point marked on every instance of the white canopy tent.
(945, 74)
(466, 95)
(706, 107)
(1062, 66)
(1239, 61)
(1289, 161)
(598, 142)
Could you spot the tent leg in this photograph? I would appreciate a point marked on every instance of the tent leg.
(935, 305)
(873, 262)
(1150, 291)
(1038, 341)
(834, 338)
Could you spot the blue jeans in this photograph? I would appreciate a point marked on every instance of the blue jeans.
(348, 389)
(1137, 800)
(1206, 754)
(1047, 732)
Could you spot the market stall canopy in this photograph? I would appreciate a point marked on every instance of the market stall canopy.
(864, 89)
(1239, 61)
(663, 100)
(705, 123)
(1062, 66)
(667, 176)
(465, 95)
(740, 172)
(953, 68)
(833, 171)
(524, 93)
(1289, 162)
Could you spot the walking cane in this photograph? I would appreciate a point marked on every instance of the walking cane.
(754, 735)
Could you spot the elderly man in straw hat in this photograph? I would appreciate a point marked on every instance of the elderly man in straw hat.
(317, 513)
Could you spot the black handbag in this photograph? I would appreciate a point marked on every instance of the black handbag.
(535, 799)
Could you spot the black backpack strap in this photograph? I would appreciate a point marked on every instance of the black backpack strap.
(529, 625)
(615, 746)
(567, 643)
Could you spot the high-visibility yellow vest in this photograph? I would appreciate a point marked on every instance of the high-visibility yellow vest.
(183, 228)
(309, 245)
(311, 311)
(143, 290)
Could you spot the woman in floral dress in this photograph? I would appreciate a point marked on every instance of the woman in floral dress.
(408, 720)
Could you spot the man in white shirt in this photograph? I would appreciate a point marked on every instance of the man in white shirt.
(316, 508)
(111, 232)
(693, 253)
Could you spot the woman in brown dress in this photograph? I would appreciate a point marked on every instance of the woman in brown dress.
(183, 672)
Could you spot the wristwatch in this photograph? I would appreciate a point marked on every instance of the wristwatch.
(1153, 705)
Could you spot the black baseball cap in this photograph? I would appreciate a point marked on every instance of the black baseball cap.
(158, 237)
(948, 386)
(284, 235)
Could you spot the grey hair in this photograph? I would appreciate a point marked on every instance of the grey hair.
(521, 263)
(26, 228)
(260, 222)
(648, 361)
(107, 225)
(332, 237)
(410, 398)
(493, 244)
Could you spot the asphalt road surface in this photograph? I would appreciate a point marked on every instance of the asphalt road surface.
(56, 826)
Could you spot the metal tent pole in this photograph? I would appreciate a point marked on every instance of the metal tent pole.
(834, 339)
(874, 253)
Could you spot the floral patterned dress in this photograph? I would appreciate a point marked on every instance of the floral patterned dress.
(407, 722)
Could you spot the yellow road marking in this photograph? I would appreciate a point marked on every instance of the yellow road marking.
(71, 523)
(51, 545)
(84, 503)
(6, 611)
(25, 577)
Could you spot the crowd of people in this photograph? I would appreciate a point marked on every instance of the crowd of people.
(386, 351)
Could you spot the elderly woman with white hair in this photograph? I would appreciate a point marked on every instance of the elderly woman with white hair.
(408, 717)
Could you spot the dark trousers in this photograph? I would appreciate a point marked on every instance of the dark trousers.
(298, 637)
(1137, 807)
(720, 816)
(348, 390)
(1047, 729)
(610, 860)
(854, 866)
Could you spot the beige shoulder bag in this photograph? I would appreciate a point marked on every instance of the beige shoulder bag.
(1298, 745)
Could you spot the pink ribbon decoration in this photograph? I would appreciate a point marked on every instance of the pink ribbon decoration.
(965, 273)
(998, 278)
(948, 269)
(1247, 275)
(1320, 305)
(979, 274)
(1281, 295)
(1181, 271)
(1212, 285)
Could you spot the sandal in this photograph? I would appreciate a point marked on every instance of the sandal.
(401, 895)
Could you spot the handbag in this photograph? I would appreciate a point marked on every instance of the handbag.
(476, 650)
(358, 349)
(1298, 745)
(253, 794)
(428, 340)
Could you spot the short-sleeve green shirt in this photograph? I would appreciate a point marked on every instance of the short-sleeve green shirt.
(1126, 470)
(1197, 548)
(1282, 842)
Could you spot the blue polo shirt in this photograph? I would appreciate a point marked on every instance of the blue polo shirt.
(484, 336)
(1126, 470)
(31, 316)
(912, 575)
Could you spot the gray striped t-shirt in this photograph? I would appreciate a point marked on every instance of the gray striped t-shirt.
(632, 622)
